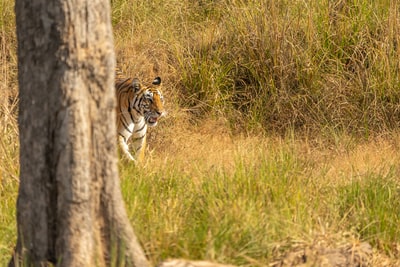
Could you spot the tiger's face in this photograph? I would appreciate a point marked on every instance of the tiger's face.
(152, 104)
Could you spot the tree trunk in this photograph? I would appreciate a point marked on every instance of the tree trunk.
(70, 210)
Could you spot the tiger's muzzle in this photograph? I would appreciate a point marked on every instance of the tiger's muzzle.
(153, 118)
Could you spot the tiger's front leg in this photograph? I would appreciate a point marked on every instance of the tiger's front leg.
(125, 148)
(138, 145)
(138, 139)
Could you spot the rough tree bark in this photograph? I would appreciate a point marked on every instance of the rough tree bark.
(69, 210)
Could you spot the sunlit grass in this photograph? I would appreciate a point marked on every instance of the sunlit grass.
(8, 227)
(9, 167)
(273, 65)
(266, 196)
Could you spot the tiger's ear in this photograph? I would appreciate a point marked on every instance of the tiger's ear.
(136, 84)
(157, 81)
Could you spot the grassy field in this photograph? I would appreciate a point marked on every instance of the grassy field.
(250, 200)
(281, 133)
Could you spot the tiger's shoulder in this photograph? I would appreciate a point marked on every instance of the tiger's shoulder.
(125, 83)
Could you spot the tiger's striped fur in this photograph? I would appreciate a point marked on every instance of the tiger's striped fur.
(137, 108)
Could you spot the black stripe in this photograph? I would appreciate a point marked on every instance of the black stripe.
(122, 119)
(144, 124)
(122, 137)
(130, 111)
(126, 128)
(125, 123)
(138, 103)
(121, 82)
(138, 138)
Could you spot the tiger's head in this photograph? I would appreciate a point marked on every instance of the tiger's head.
(151, 103)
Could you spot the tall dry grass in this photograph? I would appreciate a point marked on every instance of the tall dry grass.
(8, 91)
(270, 65)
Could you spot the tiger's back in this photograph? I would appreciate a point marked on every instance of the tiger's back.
(138, 107)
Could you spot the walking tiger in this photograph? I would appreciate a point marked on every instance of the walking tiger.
(138, 107)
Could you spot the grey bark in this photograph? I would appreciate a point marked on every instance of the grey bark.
(70, 210)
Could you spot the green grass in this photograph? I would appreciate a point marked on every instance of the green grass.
(253, 210)
(8, 227)
(370, 205)
(9, 172)
(9, 164)
(250, 201)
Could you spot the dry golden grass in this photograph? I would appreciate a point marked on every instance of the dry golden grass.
(377, 155)
(269, 66)
(8, 94)
(212, 143)
(189, 165)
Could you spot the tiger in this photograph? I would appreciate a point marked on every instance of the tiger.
(138, 107)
